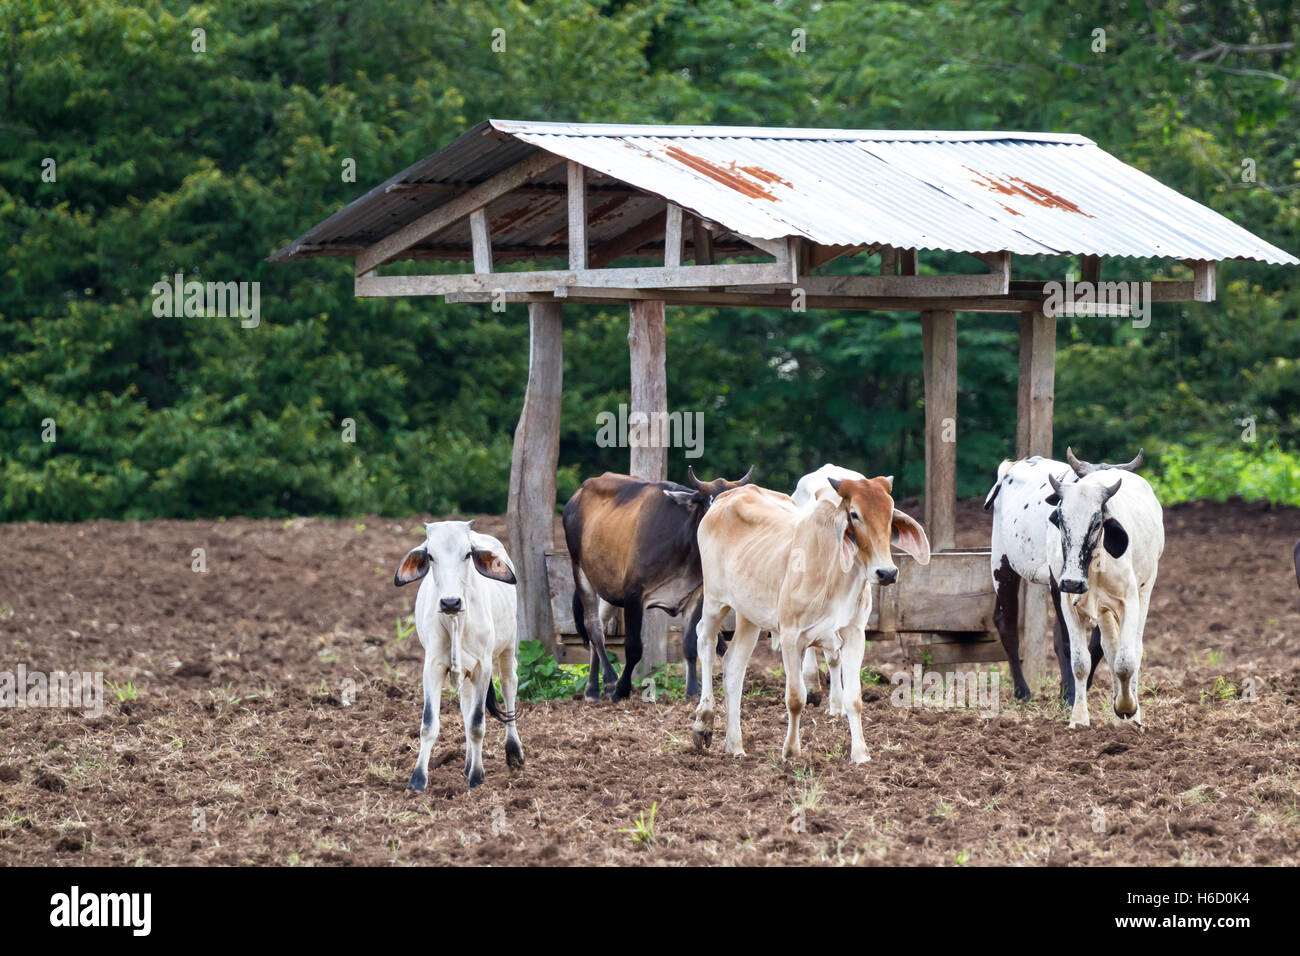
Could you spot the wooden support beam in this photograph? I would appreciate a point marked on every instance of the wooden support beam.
(673, 236)
(884, 285)
(481, 241)
(531, 504)
(1034, 437)
(1090, 269)
(939, 351)
(458, 208)
(819, 255)
(628, 242)
(647, 351)
(907, 262)
(1203, 289)
(650, 277)
(765, 298)
(577, 216)
(888, 261)
(702, 240)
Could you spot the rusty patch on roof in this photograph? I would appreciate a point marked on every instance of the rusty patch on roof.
(1015, 186)
(739, 178)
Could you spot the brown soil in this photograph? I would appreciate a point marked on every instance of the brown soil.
(238, 750)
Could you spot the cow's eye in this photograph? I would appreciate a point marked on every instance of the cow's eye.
(855, 516)
(468, 555)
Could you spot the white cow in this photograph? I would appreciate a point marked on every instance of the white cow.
(465, 616)
(804, 497)
(1108, 587)
(1019, 550)
(804, 575)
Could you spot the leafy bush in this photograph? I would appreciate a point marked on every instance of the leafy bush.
(1247, 471)
(541, 678)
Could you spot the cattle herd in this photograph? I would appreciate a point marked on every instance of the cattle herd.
(799, 567)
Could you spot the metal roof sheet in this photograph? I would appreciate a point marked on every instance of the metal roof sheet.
(1026, 193)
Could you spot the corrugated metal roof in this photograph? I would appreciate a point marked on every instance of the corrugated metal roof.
(1026, 193)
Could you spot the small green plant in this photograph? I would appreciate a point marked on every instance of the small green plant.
(123, 692)
(1223, 689)
(405, 627)
(963, 857)
(643, 829)
(669, 681)
(541, 677)
(871, 675)
(1212, 658)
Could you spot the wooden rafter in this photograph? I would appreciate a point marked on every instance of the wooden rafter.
(458, 208)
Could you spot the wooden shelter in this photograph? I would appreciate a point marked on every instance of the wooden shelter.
(656, 215)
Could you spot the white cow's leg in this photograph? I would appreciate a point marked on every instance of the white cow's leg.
(810, 675)
(435, 672)
(796, 694)
(834, 676)
(474, 688)
(1080, 661)
(733, 679)
(508, 670)
(855, 647)
(1144, 605)
(706, 638)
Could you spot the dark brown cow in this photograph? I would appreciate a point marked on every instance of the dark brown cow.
(632, 544)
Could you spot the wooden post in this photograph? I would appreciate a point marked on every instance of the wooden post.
(939, 348)
(577, 180)
(647, 345)
(531, 506)
(1034, 437)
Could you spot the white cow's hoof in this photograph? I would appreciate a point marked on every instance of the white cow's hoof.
(1077, 724)
(865, 758)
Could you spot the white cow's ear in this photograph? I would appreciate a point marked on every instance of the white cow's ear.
(1114, 538)
(413, 567)
(490, 558)
(908, 535)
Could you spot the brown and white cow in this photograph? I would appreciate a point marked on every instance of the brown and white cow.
(632, 544)
(805, 575)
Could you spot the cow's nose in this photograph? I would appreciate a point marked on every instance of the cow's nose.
(450, 605)
(1073, 585)
(887, 575)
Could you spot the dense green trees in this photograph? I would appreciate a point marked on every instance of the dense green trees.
(176, 152)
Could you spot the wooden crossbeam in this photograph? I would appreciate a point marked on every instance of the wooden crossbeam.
(454, 209)
(654, 277)
(651, 230)
(898, 286)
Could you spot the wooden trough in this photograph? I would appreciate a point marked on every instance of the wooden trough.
(941, 613)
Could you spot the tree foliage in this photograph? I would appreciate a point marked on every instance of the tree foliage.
(171, 160)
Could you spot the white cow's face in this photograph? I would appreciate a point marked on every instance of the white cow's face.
(1080, 517)
(452, 551)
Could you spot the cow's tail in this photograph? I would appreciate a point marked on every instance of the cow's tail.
(993, 492)
(579, 619)
(494, 707)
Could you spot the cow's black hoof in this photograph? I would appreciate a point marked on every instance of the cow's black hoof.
(514, 754)
(814, 698)
(703, 739)
(591, 698)
(476, 779)
(418, 782)
(618, 693)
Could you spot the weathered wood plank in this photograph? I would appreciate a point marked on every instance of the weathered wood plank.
(1034, 409)
(626, 243)
(454, 209)
(531, 504)
(673, 236)
(647, 352)
(939, 350)
(577, 216)
(918, 286)
(701, 241)
(481, 241)
(651, 277)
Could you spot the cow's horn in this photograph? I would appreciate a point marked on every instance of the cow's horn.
(1056, 485)
(1110, 491)
(690, 476)
(1135, 464)
(1081, 468)
(749, 474)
